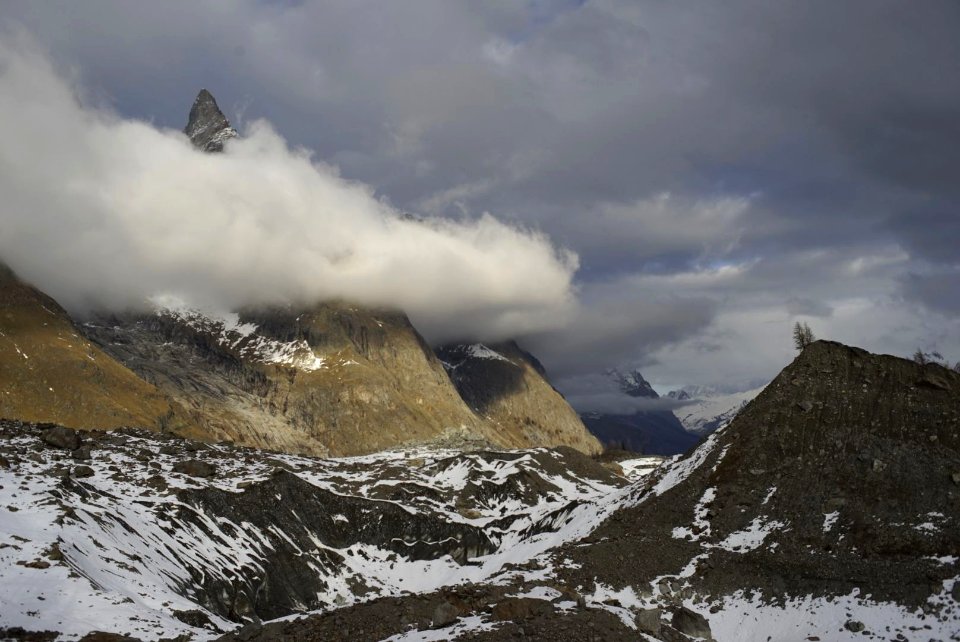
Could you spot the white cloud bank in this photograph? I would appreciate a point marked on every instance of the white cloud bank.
(102, 211)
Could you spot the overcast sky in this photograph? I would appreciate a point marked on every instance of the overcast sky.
(721, 169)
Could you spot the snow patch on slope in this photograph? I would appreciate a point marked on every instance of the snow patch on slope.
(231, 333)
(752, 618)
(712, 411)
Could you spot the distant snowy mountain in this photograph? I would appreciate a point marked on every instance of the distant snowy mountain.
(709, 409)
(652, 432)
(632, 383)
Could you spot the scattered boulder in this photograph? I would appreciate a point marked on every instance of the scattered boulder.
(249, 631)
(520, 608)
(82, 471)
(195, 618)
(39, 564)
(60, 437)
(101, 636)
(20, 633)
(691, 623)
(156, 482)
(444, 615)
(195, 468)
(648, 621)
(930, 380)
(83, 452)
(854, 626)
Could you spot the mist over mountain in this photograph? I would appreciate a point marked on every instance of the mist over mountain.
(102, 212)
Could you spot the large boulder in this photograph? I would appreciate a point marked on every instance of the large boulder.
(60, 437)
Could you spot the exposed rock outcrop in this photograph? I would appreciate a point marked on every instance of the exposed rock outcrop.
(329, 379)
(207, 128)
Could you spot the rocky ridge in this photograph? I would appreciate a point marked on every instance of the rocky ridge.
(508, 388)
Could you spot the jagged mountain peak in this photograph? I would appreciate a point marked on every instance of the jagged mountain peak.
(632, 383)
(207, 127)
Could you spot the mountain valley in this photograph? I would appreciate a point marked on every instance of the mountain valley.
(319, 470)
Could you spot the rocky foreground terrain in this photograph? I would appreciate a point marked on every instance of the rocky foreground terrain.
(829, 509)
(160, 537)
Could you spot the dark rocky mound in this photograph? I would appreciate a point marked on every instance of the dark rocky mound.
(855, 455)
(305, 514)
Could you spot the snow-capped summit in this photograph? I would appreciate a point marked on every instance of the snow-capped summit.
(207, 127)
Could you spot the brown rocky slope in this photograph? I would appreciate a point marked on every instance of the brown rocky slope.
(49, 372)
(332, 378)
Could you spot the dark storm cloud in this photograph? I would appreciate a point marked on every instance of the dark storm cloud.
(731, 165)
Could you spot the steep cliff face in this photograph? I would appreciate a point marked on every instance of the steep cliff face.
(50, 373)
(207, 127)
(507, 386)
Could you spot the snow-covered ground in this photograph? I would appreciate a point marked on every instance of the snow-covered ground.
(708, 410)
(640, 467)
(120, 550)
